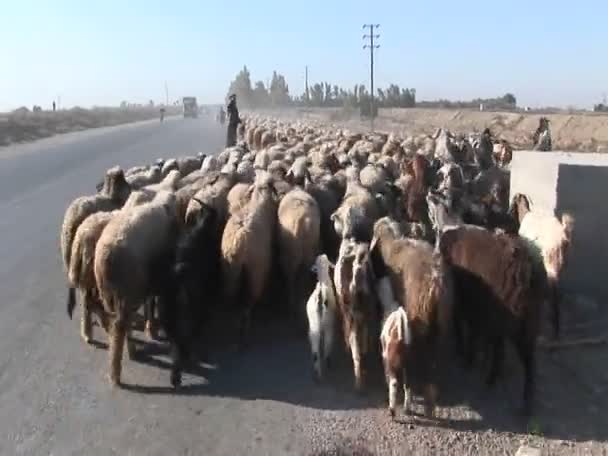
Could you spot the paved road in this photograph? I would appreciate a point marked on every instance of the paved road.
(54, 398)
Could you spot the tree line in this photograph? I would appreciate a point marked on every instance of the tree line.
(323, 94)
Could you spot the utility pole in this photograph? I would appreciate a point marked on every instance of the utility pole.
(307, 96)
(371, 46)
(166, 94)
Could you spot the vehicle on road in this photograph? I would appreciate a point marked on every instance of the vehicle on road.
(190, 107)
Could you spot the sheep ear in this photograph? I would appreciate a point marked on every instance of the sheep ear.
(308, 176)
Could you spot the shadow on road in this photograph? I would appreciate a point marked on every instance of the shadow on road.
(277, 367)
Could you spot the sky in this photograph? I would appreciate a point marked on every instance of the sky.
(100, 52)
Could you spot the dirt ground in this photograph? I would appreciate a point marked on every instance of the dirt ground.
(586, 132)
(24, 125)
(569, 419)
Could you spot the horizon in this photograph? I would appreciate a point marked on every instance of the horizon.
(546, 54)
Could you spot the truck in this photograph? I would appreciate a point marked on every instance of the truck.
(190, 107)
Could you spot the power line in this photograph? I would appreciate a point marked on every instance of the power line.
(371, 46)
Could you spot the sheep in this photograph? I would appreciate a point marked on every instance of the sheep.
(445, 149)
(210, 163)
(82, 276)
(185, 165)
(130, 267)
(356, 214)
(113, 195)
(299, 223)
(502, 153)
(501, 291)
(374, 178)
(417, 188)
(356, 304)
(238, 197)
(192, 279)
(213, 195)
(246, 249)
(422, 286)
(147, 194)
(549, 239)
(168, 166)
(298, 172)
(328, 198)
(152, 175)
(321, 313)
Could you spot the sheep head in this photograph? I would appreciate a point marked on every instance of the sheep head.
(115, 185)
(520, 206)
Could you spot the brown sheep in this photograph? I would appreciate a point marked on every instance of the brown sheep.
(82, 275)
(299, 222)
(247, 250)
(549, 239)
(356, 307)
(113, 195)
(501, 289)
(129, 260)
(422, 285)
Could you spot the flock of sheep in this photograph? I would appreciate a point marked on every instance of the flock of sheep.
(413, 245)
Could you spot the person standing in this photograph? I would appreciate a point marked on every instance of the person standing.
(54, 106)
(483, 154)
(233, 121)
(542, 136)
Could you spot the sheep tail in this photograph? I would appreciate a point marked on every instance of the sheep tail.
(71, 301)
(403, 327)
(567, 221)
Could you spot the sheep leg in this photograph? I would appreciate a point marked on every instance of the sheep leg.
(555, 303)
(430, 399)
(328, 328)
(178, 357)
(407, 395)
(131, 346)
(393, 387)
(525, 349)
(86, 321)
(118, 333)
(150, 327)
(315, 348)
(356, 355)
(498, 355)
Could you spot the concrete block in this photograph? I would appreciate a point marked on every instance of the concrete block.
(559, 182)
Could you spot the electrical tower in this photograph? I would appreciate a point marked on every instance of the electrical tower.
(371, 46)
(307, 93)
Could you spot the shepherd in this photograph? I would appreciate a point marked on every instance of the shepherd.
(233, 121)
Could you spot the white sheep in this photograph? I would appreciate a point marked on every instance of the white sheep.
(321, 313)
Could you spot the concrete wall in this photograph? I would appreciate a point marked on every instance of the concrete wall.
(560, 182)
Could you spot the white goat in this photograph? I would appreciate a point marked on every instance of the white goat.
(321, 312)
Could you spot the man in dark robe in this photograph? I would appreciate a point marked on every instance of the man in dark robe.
(233, 121)
(483, 154)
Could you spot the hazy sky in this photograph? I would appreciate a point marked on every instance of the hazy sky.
(104, 51)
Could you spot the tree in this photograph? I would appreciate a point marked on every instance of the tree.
(510, 99)
(241, 86)
(261, 97)
(279, 91)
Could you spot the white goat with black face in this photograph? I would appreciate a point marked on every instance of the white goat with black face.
(321, 312)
